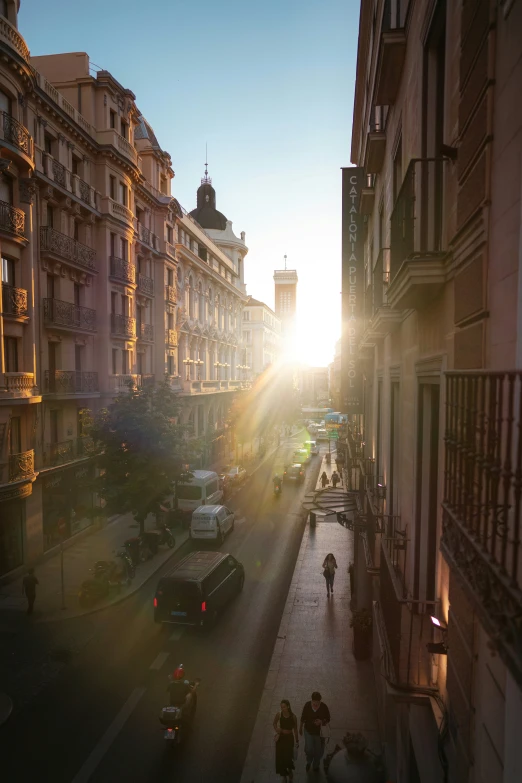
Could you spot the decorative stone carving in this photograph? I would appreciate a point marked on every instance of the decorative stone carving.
(28, 190)
(4, 164)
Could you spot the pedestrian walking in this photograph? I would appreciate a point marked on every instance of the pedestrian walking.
(329, 566)
(286, 741)
(314, 718)
(335, 478)
(29, 589)
(324, 479)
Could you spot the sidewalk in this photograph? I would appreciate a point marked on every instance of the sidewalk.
(313, 651)
(77, 560)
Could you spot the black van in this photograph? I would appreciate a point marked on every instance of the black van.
(197, 588)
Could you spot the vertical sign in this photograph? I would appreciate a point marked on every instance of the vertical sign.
(352, 289)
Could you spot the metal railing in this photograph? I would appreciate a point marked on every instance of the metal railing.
(123, 325)
(14, 300)
(146, 332)
(52, 241)
(59, 173)
(84, 190)
(145, 285)
(67, 451)
(482, 504)
(58, 313)
(122, 270)
(21, 465)
(70, 381)
(12, 219)
(416, 220)
(16, 134)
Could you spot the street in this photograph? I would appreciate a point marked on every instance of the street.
(99, 720)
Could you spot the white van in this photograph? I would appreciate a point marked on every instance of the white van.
(212, 523)
(321, 435)
(201, 490)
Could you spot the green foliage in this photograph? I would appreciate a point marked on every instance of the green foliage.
(140, 450)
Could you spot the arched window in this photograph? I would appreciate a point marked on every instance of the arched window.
(190, 297)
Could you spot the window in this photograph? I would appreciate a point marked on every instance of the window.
(139, 215)
(76, 163)
(112, 187)
(125, 362)
(15, 441)
(114, 299)
(139, 317)
(247, 336)
(50, 216)
(11, 354)
(139, 363)
(124, 130)
(114, 361)
(170, 320)
(246, 316)
(113, 245)
(54, 426)
(8, 271)
(163, 184)
(124, 245)
(3, 8)
(123, 194)
(171, 366)
(202, 253)
(5, 102)
(77, 294)
(125, 305)
(113, 119)
(48, 143)
(170, 277)
(6, 189)
(169, 235)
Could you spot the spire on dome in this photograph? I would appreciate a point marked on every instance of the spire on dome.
(206, 180)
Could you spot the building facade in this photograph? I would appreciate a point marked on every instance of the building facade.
(435, 453)
(93, 296)
(261, 337)
(285, 295)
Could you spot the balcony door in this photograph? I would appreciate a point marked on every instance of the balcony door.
(15, 440)
(11, 354)
(8, 271)
(426, 511)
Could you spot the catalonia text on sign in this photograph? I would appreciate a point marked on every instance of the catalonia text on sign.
(352, 289)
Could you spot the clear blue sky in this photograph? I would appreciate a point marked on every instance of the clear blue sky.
(269, 86)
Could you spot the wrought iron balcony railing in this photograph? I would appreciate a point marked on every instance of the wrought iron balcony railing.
(171, 294)
(482, 505)
(122, 270)
(12, 219)
(16, 134)
(70, 382)
(145, 285)
(58, 313)
(14, 300)
(416, 220)
(146, 332)
(52, 241)
(123, 325)
(67, 451)
(21, 465)
(59, 173)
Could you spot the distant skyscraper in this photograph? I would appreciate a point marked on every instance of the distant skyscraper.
(285, 296)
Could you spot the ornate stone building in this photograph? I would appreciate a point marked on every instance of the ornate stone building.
(436, 451)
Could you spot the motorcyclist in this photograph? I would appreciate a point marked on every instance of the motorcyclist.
(182, 693)
(278, 482)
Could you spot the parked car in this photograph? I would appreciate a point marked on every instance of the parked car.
(198, 589)
(237, 474)
(211, 523)
(295, 473)
(321, 435)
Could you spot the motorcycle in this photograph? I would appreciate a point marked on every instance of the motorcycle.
(277, 490)
(113, 572)
(92, 590)
(177, 721)
(166, 536)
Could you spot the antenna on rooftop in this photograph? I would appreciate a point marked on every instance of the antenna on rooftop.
(285, 262)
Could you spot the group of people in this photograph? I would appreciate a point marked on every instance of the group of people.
(314, 723)
(336, 479)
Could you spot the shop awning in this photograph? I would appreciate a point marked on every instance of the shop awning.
(330, 502)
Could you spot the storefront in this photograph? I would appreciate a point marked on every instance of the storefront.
(12, 521)
(68, 503)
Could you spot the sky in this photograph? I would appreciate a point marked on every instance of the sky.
(269, 87)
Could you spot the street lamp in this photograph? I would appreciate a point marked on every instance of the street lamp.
(199, 363)
(187, 362)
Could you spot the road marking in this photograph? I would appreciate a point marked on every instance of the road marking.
(158, 661)
(240, 521)
(108, 738)
(176, 635)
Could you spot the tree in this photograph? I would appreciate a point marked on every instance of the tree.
(141, 450)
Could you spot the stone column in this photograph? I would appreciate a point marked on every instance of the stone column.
(28, 190)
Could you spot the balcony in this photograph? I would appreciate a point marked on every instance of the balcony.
(67, 249)
(9, 35)
(123, 325)
(418, 255)
(171, 337)
(65, 451)
(375, 141)
(146, 236)
(482, 507)
(147, 379)
(19, 384)
(171, 294)
(62, 176)
(122, 270)
(112, 137)
(12, 220)
(146, 332)
(16, 135)
(70, 382)
(14, 301)
(65, 315)
(145, 285)
(21, 466)
(124, 381)
(392, 52)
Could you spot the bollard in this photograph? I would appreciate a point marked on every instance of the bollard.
(313, 519)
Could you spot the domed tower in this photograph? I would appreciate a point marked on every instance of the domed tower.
(218, 227)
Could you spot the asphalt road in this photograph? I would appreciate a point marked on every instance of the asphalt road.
(99, 720)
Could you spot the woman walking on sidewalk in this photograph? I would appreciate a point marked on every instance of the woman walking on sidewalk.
(329, 566)
(324, 479)
(285, 725)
